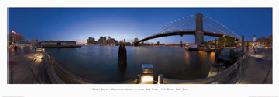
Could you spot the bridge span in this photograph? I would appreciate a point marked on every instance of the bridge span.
(181, 33)
(199, 32)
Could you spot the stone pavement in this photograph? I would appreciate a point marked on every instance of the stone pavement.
(257, 68)
(20, 69)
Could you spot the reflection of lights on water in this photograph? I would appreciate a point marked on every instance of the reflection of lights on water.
(187, 57)
(212, 57)
(202, 54)
(146, 80)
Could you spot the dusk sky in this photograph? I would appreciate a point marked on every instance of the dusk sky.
(127, 23)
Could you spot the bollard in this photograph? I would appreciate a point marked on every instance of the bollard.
(160, 79)
(138, 79)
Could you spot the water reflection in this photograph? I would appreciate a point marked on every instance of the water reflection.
(187, 56)
(212, 57)
(100, 63)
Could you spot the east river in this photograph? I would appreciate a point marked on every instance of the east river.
(100, 63)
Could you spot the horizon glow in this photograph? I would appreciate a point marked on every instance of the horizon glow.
(128, 23)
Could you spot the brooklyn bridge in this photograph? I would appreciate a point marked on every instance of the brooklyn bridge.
(171, 64)
(196, 25)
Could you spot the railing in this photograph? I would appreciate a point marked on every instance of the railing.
(233, 72)
(229, 75)
(51, 70)
(58, 74)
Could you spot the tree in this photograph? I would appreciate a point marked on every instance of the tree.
(269, 41)
(15, 37)
(227, 41)
(266, 41)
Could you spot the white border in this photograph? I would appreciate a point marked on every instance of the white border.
(197, 90)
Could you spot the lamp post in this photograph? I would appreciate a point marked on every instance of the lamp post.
(224, 41)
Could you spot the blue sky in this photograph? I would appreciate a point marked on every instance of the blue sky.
(127, 23)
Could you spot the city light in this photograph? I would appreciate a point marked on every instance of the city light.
(38, 57)
(199, 55)
(40, 50)
(146, 80)
(258, 56)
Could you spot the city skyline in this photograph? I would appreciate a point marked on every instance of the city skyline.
(128, 23)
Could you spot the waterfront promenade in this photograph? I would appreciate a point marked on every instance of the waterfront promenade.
(29, 67)
(20, 68)
(253, 68)
(258, 68)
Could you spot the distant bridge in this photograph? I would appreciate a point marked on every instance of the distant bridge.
(197, 27)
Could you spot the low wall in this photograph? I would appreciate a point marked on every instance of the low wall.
(59, 75)
(230, 75)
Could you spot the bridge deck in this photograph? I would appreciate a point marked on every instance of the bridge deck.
(181, 33)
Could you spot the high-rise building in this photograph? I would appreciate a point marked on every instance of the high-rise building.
(91, 40)
(136, 39)
(111, 41)
(158, 42)
(102, 41)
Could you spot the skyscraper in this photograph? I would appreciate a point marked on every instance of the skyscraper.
(91, 40)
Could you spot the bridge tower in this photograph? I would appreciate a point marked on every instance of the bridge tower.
(199, 29)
